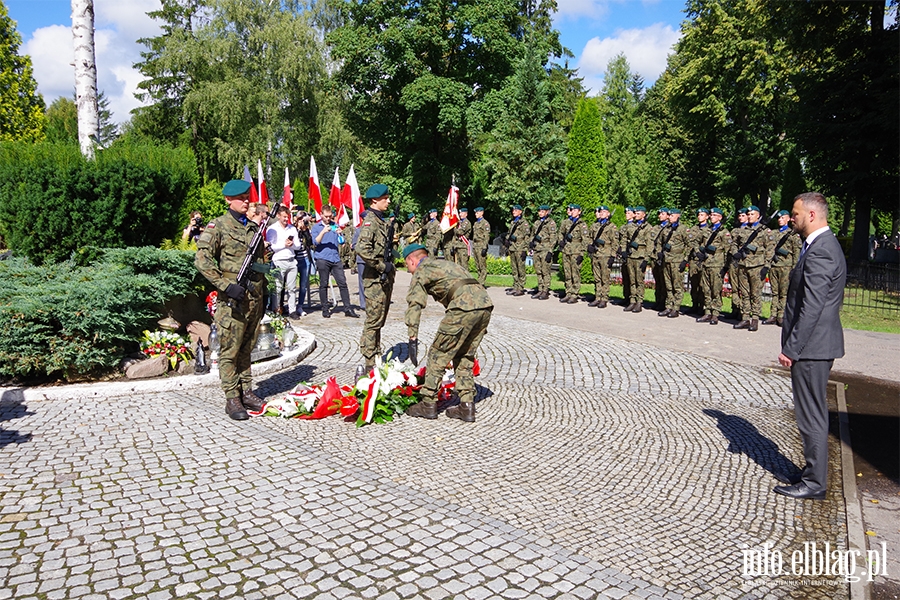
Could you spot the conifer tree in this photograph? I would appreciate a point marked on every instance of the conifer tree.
(21, 107)
(586, 174)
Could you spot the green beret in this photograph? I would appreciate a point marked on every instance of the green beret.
(410, 215)
(702, 209)
(662, 209)
(464, 210)
(544, 207)
(753, 208)
(575, 206)
(639, 209)
(377, 190)
(602, 207)
(715, 211)
(742, 211)
(412, 248)
(783, 213)
(236, 187)
(479, 209)
(432, 210)
(674, 211)
(517, 207)
(629, 209)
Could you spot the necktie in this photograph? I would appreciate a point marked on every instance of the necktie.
(804, 248)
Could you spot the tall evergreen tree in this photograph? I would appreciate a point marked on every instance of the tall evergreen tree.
(21, 107)
(586, 175)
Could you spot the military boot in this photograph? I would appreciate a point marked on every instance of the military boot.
(235, 410)
(602, 304)
(769, 321)
(779, 321)
(664, 313)
(464, 412)
(704, 319)
(638, 307)
(425, 410)
(754, 325)
(252, 402)
(714, 320)
(594, 302)
(744, 324)
(572, 300)
(673, 313)
(629, 308)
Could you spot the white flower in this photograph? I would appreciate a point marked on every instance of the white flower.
(286, 407)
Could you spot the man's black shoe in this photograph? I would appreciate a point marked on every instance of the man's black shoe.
(789, 479)
(326, 314)
(799, 491)
(351, 313)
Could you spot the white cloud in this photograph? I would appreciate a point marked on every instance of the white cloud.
(646, 50)
(573, 9)
(119, 24)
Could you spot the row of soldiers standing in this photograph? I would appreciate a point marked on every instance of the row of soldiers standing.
(465, 238)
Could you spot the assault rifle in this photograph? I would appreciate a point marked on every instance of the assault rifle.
(389, 250)
(243, 277)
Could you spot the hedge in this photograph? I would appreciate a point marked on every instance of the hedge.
(71, 321)
(54, 201)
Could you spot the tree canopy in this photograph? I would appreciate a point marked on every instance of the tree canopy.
(21, 107)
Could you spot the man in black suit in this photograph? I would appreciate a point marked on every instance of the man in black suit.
(812, 337)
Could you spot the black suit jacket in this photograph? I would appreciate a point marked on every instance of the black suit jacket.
(812, 323)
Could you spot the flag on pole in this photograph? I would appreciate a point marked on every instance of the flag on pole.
(334, 195)
(315, 194)
(288, 197)
(352, 197)
(263, 192)
(253, 197)
(450, 218)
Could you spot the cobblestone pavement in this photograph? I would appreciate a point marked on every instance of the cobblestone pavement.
(597, 468)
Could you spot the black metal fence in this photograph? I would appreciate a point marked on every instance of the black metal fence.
(873, 286)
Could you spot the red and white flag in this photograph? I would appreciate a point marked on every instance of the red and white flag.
(450, 218)
(263, 192)
(254, 197)
(288, 197)
(315, 193)
(334, 199)
(352, 198)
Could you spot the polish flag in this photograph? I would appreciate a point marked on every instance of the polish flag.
(352, 198)
(315, 194)
(450, 218)
(263, 192)
(288, 197)
(334, 196)
(254, 198)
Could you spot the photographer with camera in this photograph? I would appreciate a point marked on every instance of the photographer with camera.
(195, 227)
(303, 251)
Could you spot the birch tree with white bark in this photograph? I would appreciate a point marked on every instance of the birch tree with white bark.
(85, 75)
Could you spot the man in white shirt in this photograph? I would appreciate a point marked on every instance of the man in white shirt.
(282, 236)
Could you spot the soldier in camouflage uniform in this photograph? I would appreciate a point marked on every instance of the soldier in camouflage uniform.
(412, 231)
(786, 255)
(458, 336)
(624, 236)
(712, 250)
(463, 230)
(433, 234)
(675, 246)
(378, 273)
(638, 247)
(697, 234)
(574, 237)
(517, 245)
(602, 249)
(481, 239)
(735, 274)
(220, 252)
(542, 243)
(656, 264)
(752, 251)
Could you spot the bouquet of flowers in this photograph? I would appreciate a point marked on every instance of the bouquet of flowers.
(168, 343)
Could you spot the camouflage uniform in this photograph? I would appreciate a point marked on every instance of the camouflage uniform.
(481, 239)
(220, 252)
(411, 233)
(785, 257)
(638, 245)
(657, 268)
(518, 250)
(461, 255)
(604, 239)
(373, 239)
(697, 234)
(574, 237)
(735, 275)
(757, 253)
(433, 237)
(461, 330)
(715, 246)
(675, 246)
(625, 232)
(542, 252)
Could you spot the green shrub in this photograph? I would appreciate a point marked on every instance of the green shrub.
(498, 266)
(53, 201)
(587, 271)
(71, 321)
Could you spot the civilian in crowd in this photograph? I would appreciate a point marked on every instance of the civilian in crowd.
(282, 238)
(327, 239)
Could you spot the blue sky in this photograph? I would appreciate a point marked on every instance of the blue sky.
(594, 30)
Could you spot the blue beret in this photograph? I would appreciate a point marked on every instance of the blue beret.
(742, 211)
(544, 207)
(674, 211)
(715, 211)
(517, 207)
(702, 209)
(639, 209)
(479, 209)
(236, 187)
(783, 213)
(753, 208)
(377, 191)
(464, 210)
(412, 248)
(410, 215)
(432, 210)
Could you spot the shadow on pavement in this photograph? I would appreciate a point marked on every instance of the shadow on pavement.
(745, 438)
(12, 407)
(285, 381)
